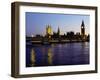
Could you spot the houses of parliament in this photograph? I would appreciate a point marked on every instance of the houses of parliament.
(69, 35)
(56, 37)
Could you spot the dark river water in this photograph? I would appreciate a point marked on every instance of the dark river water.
(57, 54)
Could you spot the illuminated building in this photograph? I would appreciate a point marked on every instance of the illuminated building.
(48, 31)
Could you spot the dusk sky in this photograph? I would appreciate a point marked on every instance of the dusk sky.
(36, 23)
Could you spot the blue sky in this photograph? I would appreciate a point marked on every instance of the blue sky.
(36, 22)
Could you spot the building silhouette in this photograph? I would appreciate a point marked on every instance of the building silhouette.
(83, 30)
(58, 32)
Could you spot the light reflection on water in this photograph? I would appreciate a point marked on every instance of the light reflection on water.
(32, 57)
(50, 55)
(57, 54)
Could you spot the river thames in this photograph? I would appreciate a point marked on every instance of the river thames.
(57, 54)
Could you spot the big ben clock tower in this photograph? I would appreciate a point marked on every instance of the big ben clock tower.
(83, 30)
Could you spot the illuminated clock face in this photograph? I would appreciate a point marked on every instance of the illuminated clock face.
(82, 26)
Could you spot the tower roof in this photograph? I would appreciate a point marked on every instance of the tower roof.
(82, 23)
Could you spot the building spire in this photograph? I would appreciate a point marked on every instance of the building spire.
(82, 25)
(58, 31)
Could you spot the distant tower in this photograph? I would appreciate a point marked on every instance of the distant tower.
(83, 30)
(48, 31)
(58, 31)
